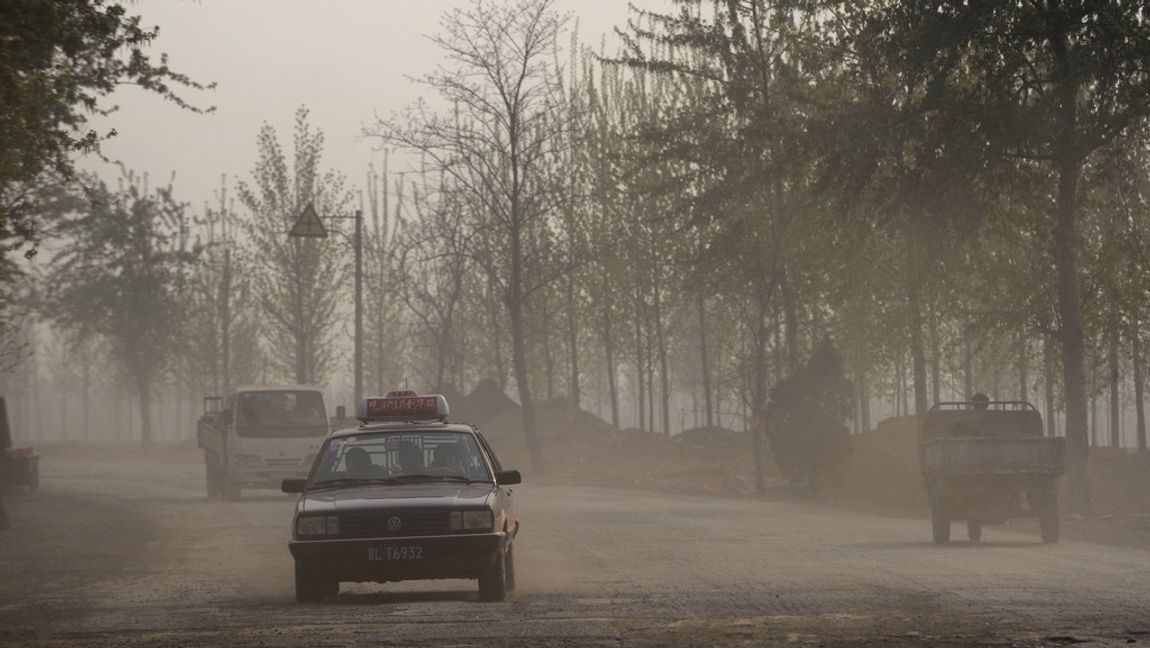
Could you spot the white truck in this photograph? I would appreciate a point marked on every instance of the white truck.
(260, 435)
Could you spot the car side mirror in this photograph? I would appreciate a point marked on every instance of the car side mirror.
(508, 477)
(340, 412)
(293, 485)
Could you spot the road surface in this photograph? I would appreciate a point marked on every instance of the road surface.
(132, 554)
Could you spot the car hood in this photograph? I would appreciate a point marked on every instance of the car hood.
(398, 497)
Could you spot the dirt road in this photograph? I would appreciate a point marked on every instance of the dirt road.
(132, 554)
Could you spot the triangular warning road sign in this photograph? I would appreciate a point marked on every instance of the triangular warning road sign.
(309, 225)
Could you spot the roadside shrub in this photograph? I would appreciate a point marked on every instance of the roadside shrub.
(805, 418)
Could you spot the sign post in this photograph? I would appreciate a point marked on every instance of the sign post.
(310, 225)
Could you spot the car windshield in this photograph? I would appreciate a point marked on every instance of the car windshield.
(280, 413)
(401, 457)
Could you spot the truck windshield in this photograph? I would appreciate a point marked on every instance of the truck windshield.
(280, 413)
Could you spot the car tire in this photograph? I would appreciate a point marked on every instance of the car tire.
(974, 529)
(940, 521)
(509, 570)
(493, 580)
(310, 588)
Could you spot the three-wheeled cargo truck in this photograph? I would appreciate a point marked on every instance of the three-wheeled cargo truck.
(258, 436)
(987, 461)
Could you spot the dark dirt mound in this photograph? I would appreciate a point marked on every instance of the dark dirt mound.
(484, 403)
(884, 467)
(713, 437)
(581, 447)
(1120, 481)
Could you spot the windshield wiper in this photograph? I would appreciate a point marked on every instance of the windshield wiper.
(354, 481)
(423, 477)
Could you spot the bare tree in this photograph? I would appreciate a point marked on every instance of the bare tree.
(297, 281)
(505, 122)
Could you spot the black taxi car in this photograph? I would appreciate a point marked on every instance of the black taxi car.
(405, 496)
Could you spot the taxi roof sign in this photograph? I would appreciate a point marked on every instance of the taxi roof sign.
(407, 406)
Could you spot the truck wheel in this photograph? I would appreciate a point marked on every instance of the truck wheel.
(493, 580)
(232, 490)
(1048, 518)
(310, 588)
(210, 478)
(974, 529)
(940, 522)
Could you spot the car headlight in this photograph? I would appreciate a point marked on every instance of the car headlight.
(316, 525)
(472, 520)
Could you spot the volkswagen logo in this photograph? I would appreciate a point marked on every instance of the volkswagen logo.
(393, 523)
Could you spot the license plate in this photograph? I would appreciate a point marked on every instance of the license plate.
(395, 552)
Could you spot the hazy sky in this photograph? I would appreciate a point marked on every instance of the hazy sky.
(347, 60)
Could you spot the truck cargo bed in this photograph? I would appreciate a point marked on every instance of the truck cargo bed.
(996, 456)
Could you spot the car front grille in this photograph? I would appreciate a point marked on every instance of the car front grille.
(411, 523)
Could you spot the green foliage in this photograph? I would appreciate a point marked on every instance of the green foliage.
(118, 277)
(809, 442)
(59, 60)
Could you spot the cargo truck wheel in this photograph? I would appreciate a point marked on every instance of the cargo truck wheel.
(210, 478)
(232, 489)
(493, 580)
(974, 529)
(1048, 518)
(940, 521)
(311, 588)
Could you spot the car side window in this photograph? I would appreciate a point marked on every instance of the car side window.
(490, 453)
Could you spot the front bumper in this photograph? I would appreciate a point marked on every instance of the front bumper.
(444, 556)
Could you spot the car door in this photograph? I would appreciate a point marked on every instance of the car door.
(504, 501)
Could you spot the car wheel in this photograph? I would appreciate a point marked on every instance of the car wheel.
(940, 521)
(310, 588)
(974, 529)
(493, 580)
(509, 570)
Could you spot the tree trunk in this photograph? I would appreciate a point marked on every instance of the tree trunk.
(917, 352)
(759, 388)
(1073, 346)
(864, 401)
(1139, 387)
(548, 359)
(1115, 414)
(1023, 369)
(967, 365)
(640, 362)
(935, 361)
(1048, 381)
(706, 365)
(609, 353)
(496, 338)
(664, 376)
(790, 321)
(573, 342)
(522, 377)
(144, 392)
